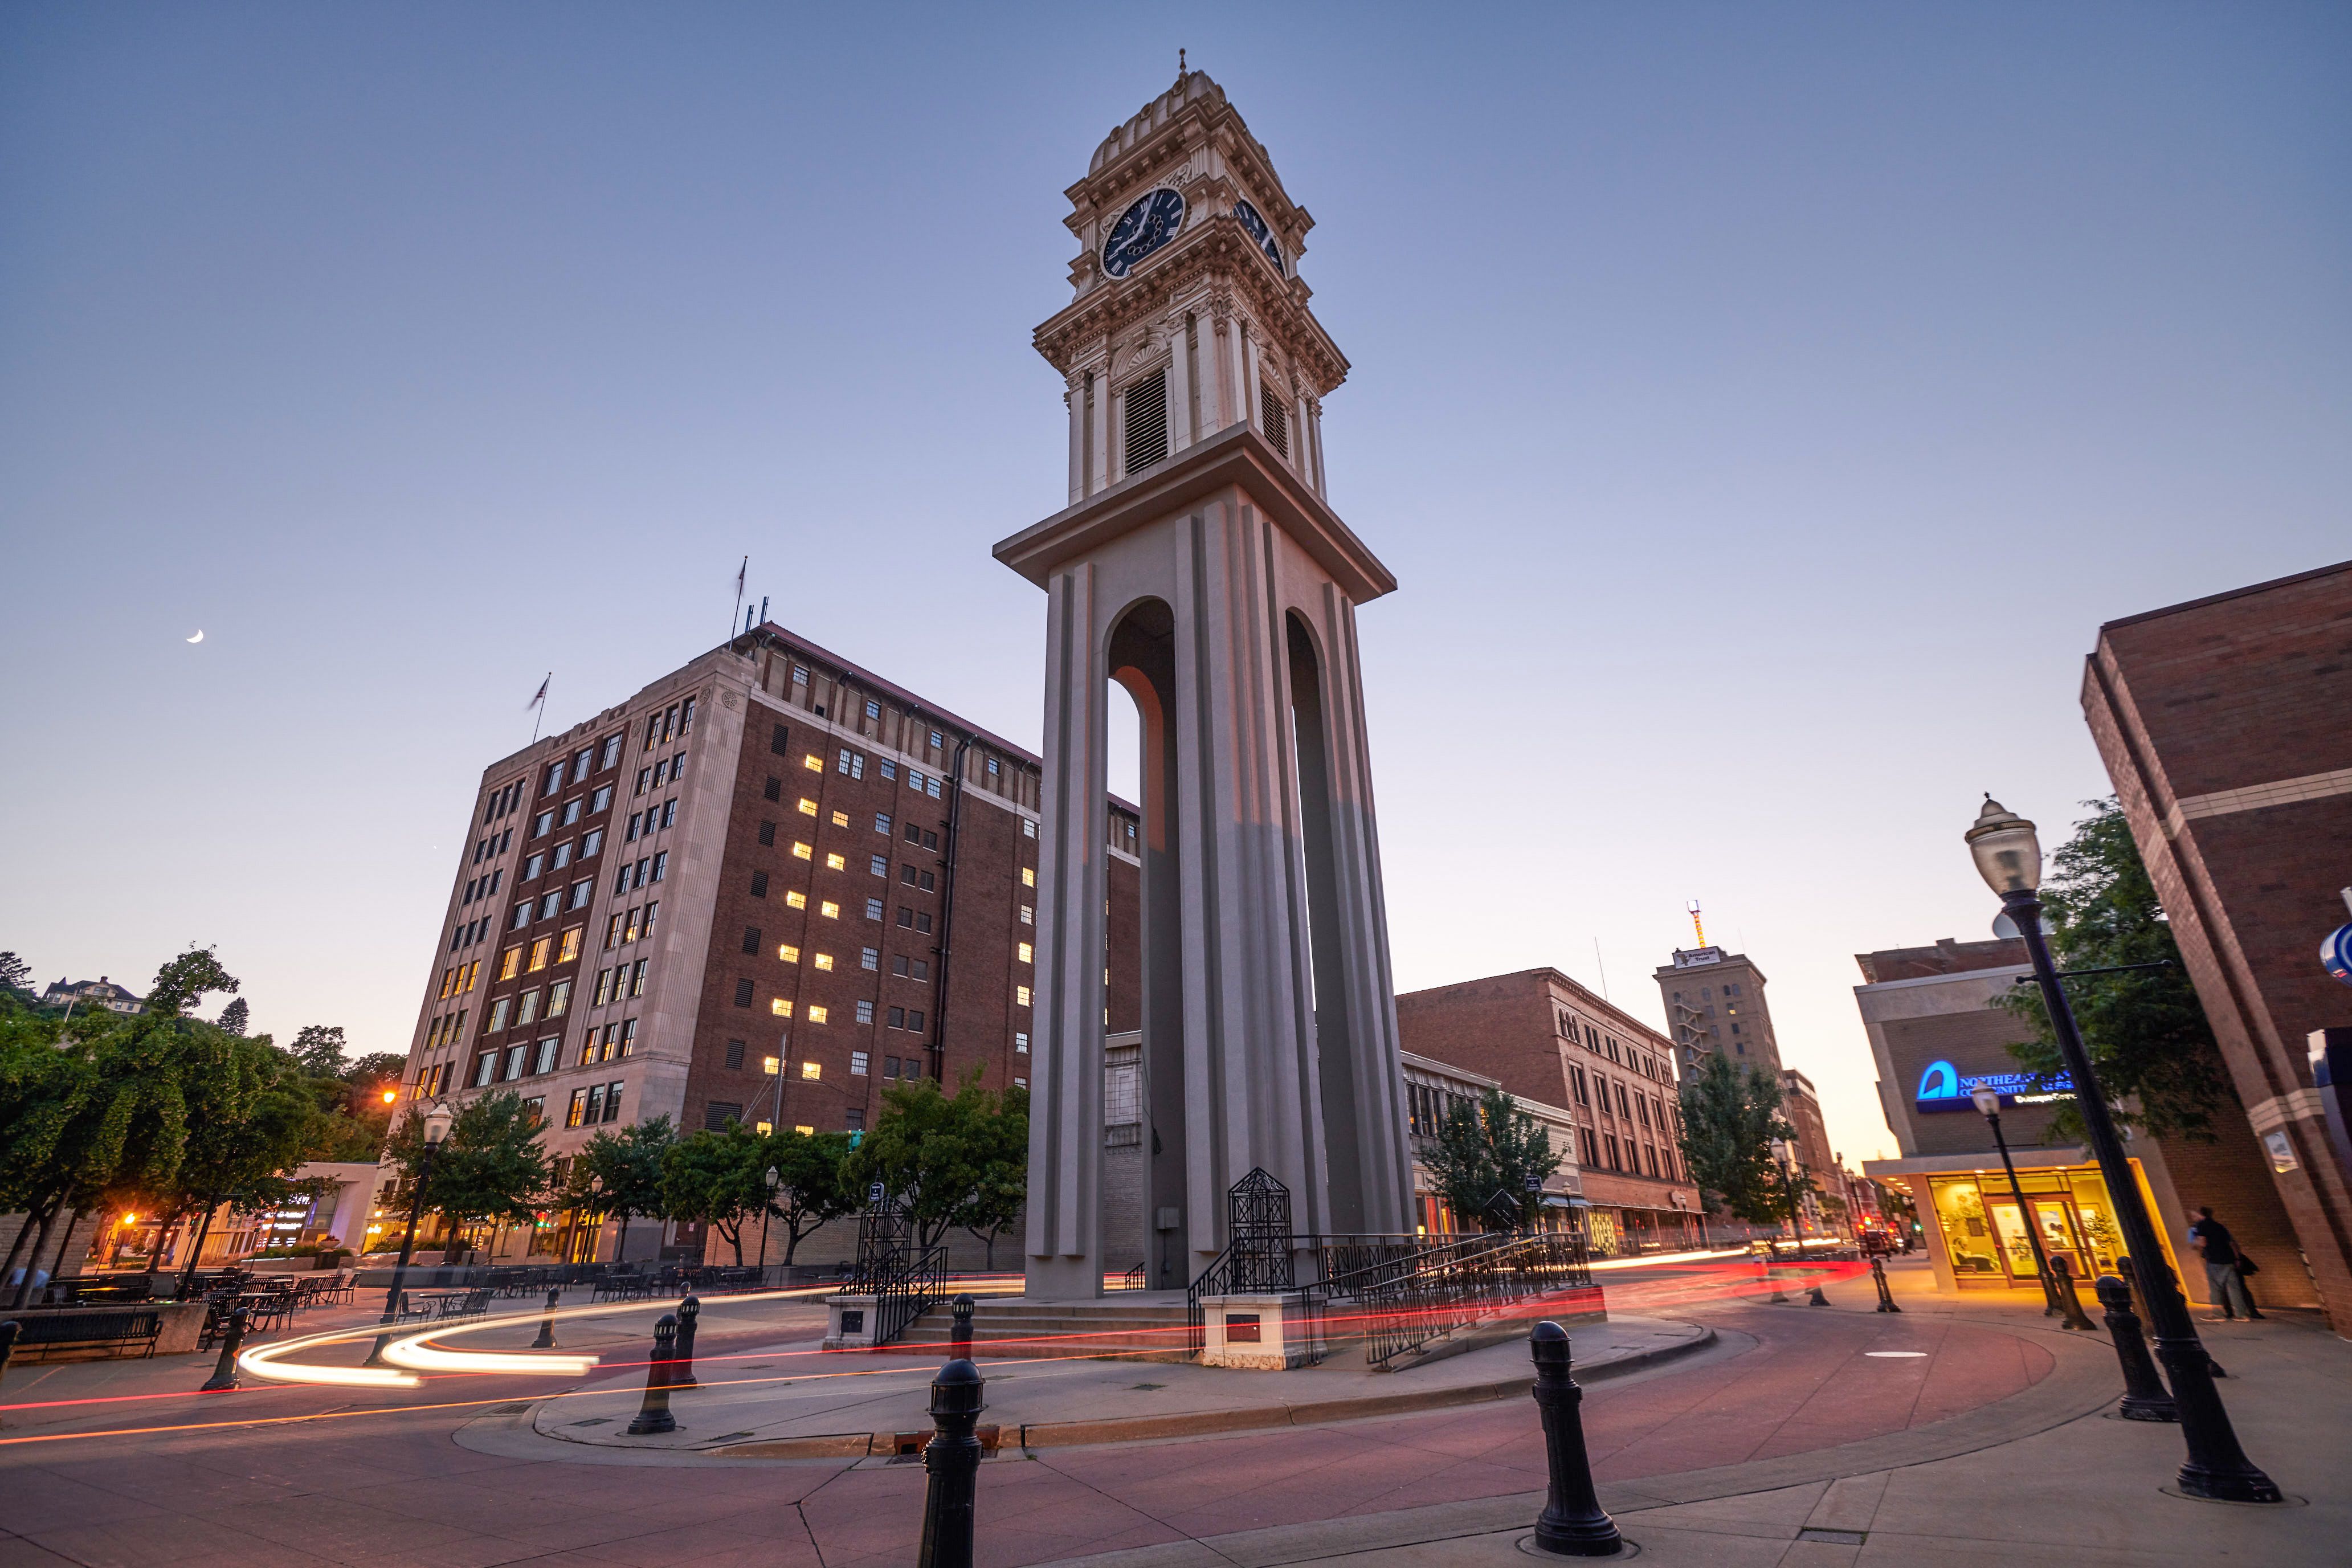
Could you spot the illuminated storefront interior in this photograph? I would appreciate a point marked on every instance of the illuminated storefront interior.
(1976, 1224)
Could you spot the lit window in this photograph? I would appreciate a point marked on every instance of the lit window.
(796, 901)
(801, 851)
(764, 1128)
(825, 961)
(813, 763)
(772, 1065)
(834, 863)
(1028, 914)
(1028, 876)
(805, 1131)
(858, 1061)
(812, 1069)
(815, 1015)
(1024, 953)
(808, 807)
(789, 953)
(571, 946)
(538, 950)
(559, 997)
(782, 1007)
(841, 819)
(1021, 996)
(829, 909)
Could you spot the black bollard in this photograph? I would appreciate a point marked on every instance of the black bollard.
(1878, 1275)
(546, 1340)
(1815, 1297)
(1572, 1523)
(2070, 1306)
(952, 1461)
(654, 1415)
(8, 1332)
(2144, 1398)
(224, 1371)
(682, 1371)
(1772, 1279)
(959, 1336)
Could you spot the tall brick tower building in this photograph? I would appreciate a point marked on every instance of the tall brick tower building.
(1715, 1003)
(762, 889)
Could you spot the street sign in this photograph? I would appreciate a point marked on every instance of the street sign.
(873, 1192)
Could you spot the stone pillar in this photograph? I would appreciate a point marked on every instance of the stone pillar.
(1076, 399)
(1180, 386)
(1098, 477)
(1314, 425)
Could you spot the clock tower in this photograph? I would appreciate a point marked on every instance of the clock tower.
(1199, 565)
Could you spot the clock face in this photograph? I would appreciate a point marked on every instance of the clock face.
(1254, 226)
(1141, 229)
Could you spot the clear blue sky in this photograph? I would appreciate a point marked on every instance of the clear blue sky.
(1761, 408)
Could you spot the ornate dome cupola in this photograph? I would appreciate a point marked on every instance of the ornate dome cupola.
(1189, 315)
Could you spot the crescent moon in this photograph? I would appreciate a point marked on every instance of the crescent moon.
(199, 636)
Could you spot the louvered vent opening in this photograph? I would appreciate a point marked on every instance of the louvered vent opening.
(1147, 423)
(1274, 418)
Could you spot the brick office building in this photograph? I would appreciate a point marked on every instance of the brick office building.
(1715, 1002)
(2221, 722)
(761, 889)
(1802, 1109)
(1542, 1035)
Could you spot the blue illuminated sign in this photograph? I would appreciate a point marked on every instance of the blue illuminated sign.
(2336, 953)
(1941, 1088)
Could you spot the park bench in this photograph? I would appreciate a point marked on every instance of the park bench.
(72, 1330)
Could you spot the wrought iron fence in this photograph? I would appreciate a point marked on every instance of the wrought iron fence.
(1398, 1304)
(907, 1292)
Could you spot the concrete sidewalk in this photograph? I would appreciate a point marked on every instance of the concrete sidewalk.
(850, 1405)
(2088, 1489)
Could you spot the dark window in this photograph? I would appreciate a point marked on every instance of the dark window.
(906, 875)
(1147, 422)
(890, 1063)
(898, 963)
(914, 1022)
(717, 1115)
(775, 789)
(928, 880)
(734, 1053)
(1275, 417)
(767, 832)
(914, 833)
(781, 742)
(751, 939)
(930, 841)
(612, 1102)
(897, 1021)
(759, 884)
(853, 1118)
(742, 994)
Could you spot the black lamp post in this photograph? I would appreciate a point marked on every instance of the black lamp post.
(436, 1128)
(1987, 1104)
(774, 1181)
(2009, 856)
(1780, 1152)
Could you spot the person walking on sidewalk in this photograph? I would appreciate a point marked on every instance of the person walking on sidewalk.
(2214, 1243)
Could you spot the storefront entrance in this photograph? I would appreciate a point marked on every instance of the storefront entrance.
(1983, 1228)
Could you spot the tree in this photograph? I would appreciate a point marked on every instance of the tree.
(234, 1018)
(2144, 1028)
(374, 1069)
(998, 1127)
(16, 974)
(717, 1179)
(319, 1049)
(241, 1152)
(810, 1191)
(1488, 1152)
(489, 1168)
(1731, 1113)
(619, 1175)
(951, 1160)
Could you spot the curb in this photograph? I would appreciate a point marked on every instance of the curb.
(1205, 1423)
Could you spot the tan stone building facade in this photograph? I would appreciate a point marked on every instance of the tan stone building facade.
(1715, 1003)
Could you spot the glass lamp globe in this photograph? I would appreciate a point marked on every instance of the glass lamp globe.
(2008, 854)
(436, 1123)
(1988, 1100)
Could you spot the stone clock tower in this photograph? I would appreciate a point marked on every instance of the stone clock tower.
(1199, 565)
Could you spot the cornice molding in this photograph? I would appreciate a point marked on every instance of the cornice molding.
(1236, 458)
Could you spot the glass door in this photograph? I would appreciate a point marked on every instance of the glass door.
(2016, 1249)
(2061, 1235)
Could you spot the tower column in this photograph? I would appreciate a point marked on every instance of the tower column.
(1180, 386)
(1099, 438)
(1075, 397)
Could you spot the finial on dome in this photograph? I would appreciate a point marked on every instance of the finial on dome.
(1180, 65)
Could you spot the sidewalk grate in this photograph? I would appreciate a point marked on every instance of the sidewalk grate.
(1835, 1537)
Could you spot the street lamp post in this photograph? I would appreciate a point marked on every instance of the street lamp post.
(1780, 1153)
(437, 1127)
(774, 1181)
(1987, 1103)
(2009, 856)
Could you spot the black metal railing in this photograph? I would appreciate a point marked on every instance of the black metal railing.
(904, 1293)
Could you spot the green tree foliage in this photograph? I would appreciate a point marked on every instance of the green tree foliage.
(319, 1049)
(490, 1169)
(16, 974)
(619, 1175)
(236, 1017)
(952, 1160)
(2144, 1028)
(1731, 1113)
(717, 1179)
(256, 1128)
(1485, 1155)
(809, 1189)
(374, 1070)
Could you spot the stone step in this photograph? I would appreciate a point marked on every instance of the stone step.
(1142, 1332)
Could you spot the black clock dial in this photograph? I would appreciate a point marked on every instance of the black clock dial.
(1141, 229)
(1254, 226)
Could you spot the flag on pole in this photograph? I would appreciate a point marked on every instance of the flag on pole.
(541, 694)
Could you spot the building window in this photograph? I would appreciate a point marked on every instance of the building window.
(897, 1021)
(637, 977)
(498, 1016)
(1021, 996)
(801, 851)
(869, 958)
(1028, 827)
(873, 909)
(1274, 418)
(549, 905)
(789, 953)
(882, 822)
(807, 807)
(824, 962)
(545, 1062)
(751, 939)
(796, 899)
(1024, 953)
(835, 863)
(742, 994)
(815, 1015)
(1028, 876)
(1028, 915)
(812, 1072)
(539, 952)
(759, 884)
(593, 841)
(865, 1012)
(829, 909)
(767, 832)
(1020, 1043)
(813, 763)
(782, 1007)
(558, 1000)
